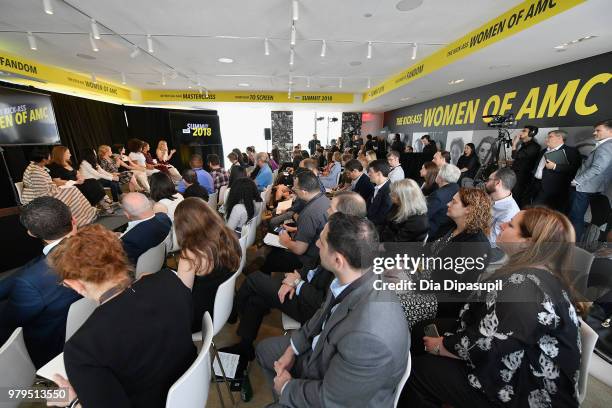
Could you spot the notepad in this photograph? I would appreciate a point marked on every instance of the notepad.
(557, 157)
(230, 363)
(283, 206)
(272, 240)
(55, 366)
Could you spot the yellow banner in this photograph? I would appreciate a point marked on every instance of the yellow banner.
(517, 19)
(46, 73)
(178, 95)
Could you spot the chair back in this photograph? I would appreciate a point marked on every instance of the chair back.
(171, 242)
(78, 314)
(15, 365)
(243, 246)
(589, 338)
(274, 176)
(583, 260)
(19, 187)
(226, 195)
(252, 231)
(221, 197)
(402, 383)
(224, 301)
(289, 323)
(152, 260)
(212, 200)
(191, 389)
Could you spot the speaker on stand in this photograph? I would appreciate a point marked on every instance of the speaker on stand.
(267, 137)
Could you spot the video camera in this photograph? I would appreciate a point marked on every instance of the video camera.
(501, 121)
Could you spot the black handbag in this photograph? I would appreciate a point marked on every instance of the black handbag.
(600, 322)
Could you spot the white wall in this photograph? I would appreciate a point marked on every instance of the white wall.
(243, 126)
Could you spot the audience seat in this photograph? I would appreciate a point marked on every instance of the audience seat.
(402, 383)
(221, 195)
(212, 201)
(78, 314)
(191, 389)
(152, 260)
(601, 369)
(17, 369)
(19, 187)
(289, 323)
(583, 260)
(589, 338)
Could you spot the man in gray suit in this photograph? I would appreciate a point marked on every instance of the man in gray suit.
(594, 176)
(354, 350)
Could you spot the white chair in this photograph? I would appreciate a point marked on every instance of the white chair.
(400, 386)
(601, 369)
(274, 176)
(226, 195)
(171, 242)
(78, 314)
(589, 338)
(224, 301)
(16, 366)
(252, 232)
(289, 323)
(243, 246)
(212, 201)
(152, 260)
(582, 266)
(19, 187)
(191, 389)
(266, 195)
(221, 197)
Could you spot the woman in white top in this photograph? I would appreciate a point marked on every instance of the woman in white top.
(243, 203)
(163, 157)
(90, 169)
(139, 163)
(164, 193)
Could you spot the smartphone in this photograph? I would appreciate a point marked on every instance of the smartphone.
(431, 330)
(278, 230)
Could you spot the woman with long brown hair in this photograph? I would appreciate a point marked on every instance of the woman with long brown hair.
(429, 172)
(210, 253)
(518, 346)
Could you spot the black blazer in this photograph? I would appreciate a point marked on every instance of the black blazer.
(135, 346)
(145, 236)
(525, 160)
(557, 181)
(312, 294)
(364, 187)
(436, 209)
(379, 206)
(412, 229)
(429, 151)
(471, 163)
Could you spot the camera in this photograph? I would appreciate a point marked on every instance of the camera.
(501, 121)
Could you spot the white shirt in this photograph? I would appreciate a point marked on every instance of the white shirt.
(171, 204)
(540, 168)
(354, 182)
(396, 174)
(503, 210)
(90, 172)
(376, 188)
(602, 141)
(132, 224)
(50, 246)
(138, 158)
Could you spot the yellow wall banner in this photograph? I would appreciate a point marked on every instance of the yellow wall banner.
(46, 73)
(519, 18)
(243, 96)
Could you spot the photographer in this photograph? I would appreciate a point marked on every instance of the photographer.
(524, 161)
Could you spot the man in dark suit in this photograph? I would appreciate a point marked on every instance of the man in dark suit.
(360, 182)
(369, 144)
(551, 184)
(312, 144)
(524, 161)
(33, 297)
(439, 222)
(429, 148)
(146, 229)
(381, 147)
(380, 203)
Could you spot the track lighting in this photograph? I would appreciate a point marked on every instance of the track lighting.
(150, 44)
(94, 29)
(295, 10)
(323, 48)
(339, 82)
(93, 78)
(414, 51)
(369, 83)
(48, 6)
(291, 57)
(123, 80)
(94, 46)
(266, 47)
(292, 34)
(32, 41)
(369, 56)
(135, 52)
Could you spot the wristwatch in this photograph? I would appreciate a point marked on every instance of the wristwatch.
(296, 282)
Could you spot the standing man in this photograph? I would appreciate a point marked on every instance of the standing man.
(524, 161)
(594, 176)
(396, 173)
(429, 148)
(204, 177)
(347, 354)
(551, 184)
(381, 147)
(369, 144)
(380, 203)
(312, 145)
(219, 174)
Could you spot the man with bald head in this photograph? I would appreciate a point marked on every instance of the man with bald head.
(146, 229)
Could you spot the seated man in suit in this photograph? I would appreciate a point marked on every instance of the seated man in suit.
(354, 350)
(298, 295)
(551, 184)
(145, 229)
(33, 297)
(360, 183)
(380, 203)
(446, 180)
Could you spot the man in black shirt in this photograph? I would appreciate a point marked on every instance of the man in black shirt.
(312, 145)
(525, 159)
(369, 145)
(429, 147)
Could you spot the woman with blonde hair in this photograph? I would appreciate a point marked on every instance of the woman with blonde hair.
(210, 253)
(407, 220)
(370, 156)
(110, 163)
(518, 346)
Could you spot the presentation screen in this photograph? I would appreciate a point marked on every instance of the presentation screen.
(195, 129)
(26, 118)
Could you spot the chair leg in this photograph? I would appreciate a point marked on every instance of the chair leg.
(227, 384)
(212, 367)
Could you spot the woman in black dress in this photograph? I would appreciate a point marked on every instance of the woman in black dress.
(468, 162)
(407, 221)
(62, 172)
(210, 252)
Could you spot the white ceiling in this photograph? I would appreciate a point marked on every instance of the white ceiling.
(186, 39)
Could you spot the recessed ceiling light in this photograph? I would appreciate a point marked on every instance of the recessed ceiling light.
(244, 84)
(407, 5)
(456, 81)
(355, 63)
(406, 98)
(499, 66)
(225, 60)
(368, 15)
(86, 56)
(561, 47)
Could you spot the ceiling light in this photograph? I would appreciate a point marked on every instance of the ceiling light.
(206, 94)
(289, 93)
(407, 5)
(291, 57)
(292, 34)
(135, 52)
(94, 46)
(189, 86)
(369, 56)
(340, 82)
(123, 80)
(323, 48)
(369, 83)
(244, 84)
(414, 51)
(163, 80)
(94, 29)
(295, 10)
(456, 81)
(48, 6)
(266, 47)
(307, 82)
(562, 47)
(93, 78)
(405, 98)
(150, 44)
(32, 41)
(225, 60)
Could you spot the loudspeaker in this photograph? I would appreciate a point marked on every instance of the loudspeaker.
(267, 134)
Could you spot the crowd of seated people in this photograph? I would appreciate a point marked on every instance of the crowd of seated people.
(493, 350)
